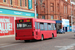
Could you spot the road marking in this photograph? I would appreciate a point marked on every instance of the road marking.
(8, 45)
(67, 47)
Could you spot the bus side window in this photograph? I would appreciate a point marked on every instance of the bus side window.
(41, 26)
(38, 26)
(35, 25)
(54, 26)
(45, 25)
(49, 26)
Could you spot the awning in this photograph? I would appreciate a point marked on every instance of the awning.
(58, 21)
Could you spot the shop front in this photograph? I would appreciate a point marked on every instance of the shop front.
(65, 25)
(73, 29)
(7, 18)
(58, 24)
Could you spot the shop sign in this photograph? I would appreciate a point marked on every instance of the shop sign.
(65, 22)
(6, 25)
(16, 13)
(30, 4)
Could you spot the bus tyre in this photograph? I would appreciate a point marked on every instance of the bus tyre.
(26, 40)
(52, 36)
(42, 38)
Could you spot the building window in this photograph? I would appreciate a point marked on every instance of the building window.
(10, 2)
(43, 17)
(52, 17)
(58, 7)
(52, 7)
(4, 0)
(43, 7)
(64, 9)
(20, 2)
(41, 1)
(74, 12)
(25, 3)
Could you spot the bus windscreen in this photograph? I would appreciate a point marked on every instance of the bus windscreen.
(25, 25)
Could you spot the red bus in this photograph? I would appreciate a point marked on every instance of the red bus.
(31, 28)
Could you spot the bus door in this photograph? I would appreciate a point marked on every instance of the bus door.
(37, 30)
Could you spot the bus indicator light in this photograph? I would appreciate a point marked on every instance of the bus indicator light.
(28, 20)
(20, 20)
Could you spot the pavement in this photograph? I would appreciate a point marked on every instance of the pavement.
(7, 36)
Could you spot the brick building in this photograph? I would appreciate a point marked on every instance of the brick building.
(54, 9)
(73, 18)
(11, 10)
(73, 13)
(17, 4)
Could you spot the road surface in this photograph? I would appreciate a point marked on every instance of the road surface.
(61, 42)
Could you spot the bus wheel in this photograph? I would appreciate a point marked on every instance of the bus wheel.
(26, 40)
(42, 38)
(52, 36)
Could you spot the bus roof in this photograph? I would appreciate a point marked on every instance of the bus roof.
(44, 20)
(40, 20)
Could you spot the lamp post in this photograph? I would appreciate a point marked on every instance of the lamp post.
(71, 16)
(35, 9)
(35, 6)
